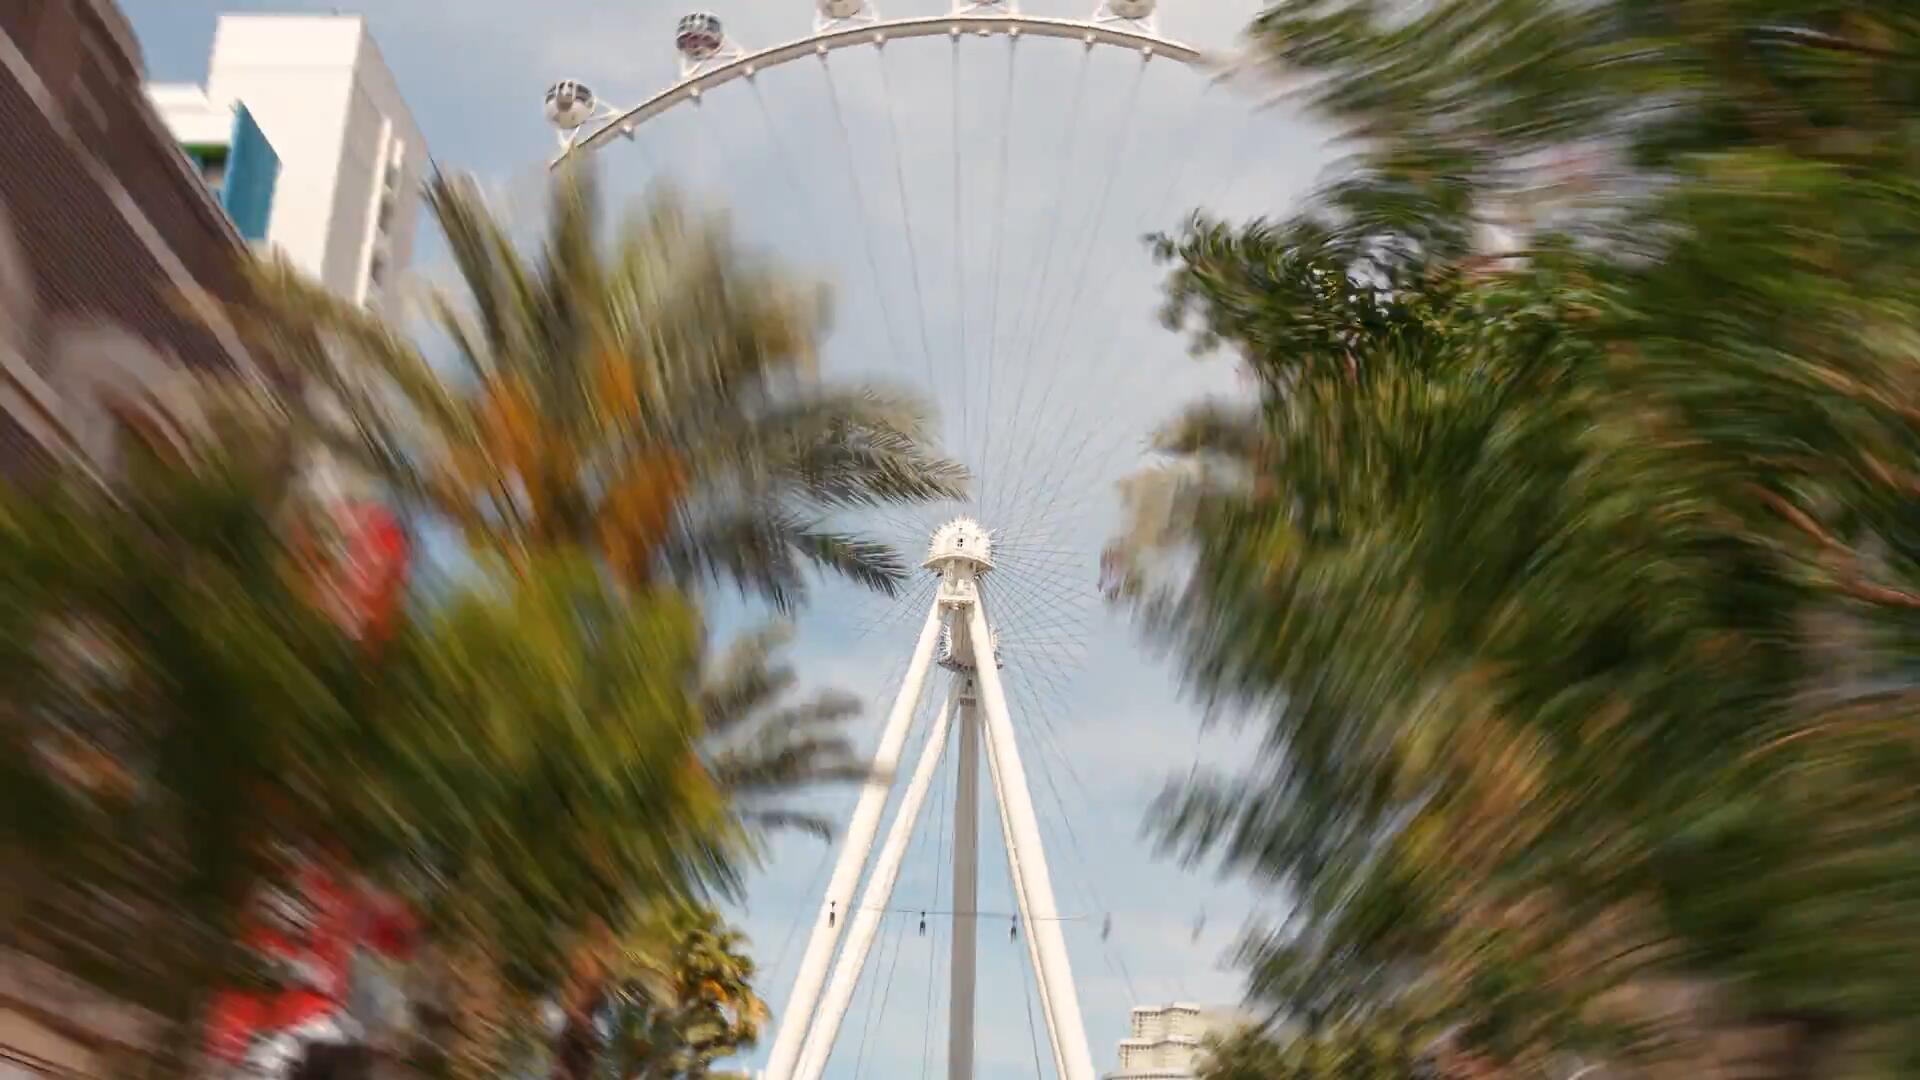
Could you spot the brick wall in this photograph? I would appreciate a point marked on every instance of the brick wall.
(114, 228)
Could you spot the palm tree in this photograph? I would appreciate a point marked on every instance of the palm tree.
(685, 1000)
(752, 751)
(647, 405)
(758, 749)
(651, 400)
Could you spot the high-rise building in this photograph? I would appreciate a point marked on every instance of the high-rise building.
(1167, 1042)
(351, 157)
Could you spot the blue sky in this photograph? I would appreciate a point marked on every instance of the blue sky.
(1022, 300)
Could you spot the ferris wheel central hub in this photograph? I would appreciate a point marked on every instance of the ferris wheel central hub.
(961, 551)
(961, 541)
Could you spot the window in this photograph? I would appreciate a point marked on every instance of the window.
(395, 158)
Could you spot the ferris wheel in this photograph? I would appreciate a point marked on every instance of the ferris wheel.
(1016, 293)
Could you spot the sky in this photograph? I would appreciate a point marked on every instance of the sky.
(977, 212)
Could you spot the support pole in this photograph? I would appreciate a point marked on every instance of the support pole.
(873, 904)
(812, 973)
(966, 888)
(1064, 1024)
(1032, 944)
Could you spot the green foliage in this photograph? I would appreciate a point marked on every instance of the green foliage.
(1341, 1052)
(759, 750)
(684, 1000)
(1576, 583)
(173, 707)
(542, 761)
(183, 727)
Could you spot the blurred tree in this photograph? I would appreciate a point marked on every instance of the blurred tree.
(651, 401)
(684, 1000)
(173, 706)
(760, 751)
(547, 781)
(1568, 547)
(527, 759)
(647, 407)
(1340, 1052)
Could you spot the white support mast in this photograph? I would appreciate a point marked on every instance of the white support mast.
(960, 553)
(873, 904)
(1033, 882)
(966, 885)
(853, 858)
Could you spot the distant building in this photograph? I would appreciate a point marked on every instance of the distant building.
(351, 159)
(1168, 1042)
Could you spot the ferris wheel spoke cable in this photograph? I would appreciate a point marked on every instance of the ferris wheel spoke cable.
(804, 913)
(1158, 208)
(878, 1016)
(1040, 674)
(815, 206)
(1061, 470)
(1051, 642)
(1042, 511)
(1035, 601)
(1047, 742)
(860, 202)
(906, 216)
(1071, 140)
(1079, 276)
(994, 259)
(1109, 950)
(886, 993)
(1107, 300)
(1109, 446)
(1046, 633)
(959, 250)
(888, 611)
(1026, 985)
(1028, 407)
(1042, 581)
(703, 172)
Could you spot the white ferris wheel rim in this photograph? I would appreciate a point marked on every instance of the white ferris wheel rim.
(1109, 32)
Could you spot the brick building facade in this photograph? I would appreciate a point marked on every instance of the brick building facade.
(112, 252)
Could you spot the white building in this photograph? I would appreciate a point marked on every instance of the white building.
(352, 159)
(1167, 1042)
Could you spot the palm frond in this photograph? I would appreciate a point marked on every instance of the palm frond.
(498, 280)
(765, 550)
(814, 825)
(865, 562)
(782, 758)
(746, 679)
